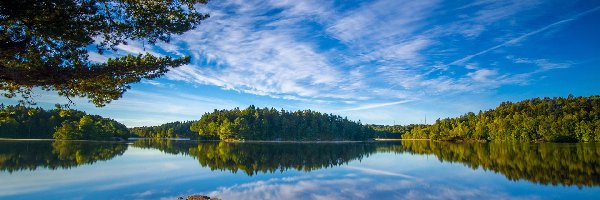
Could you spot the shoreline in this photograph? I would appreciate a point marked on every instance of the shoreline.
(21, 139)
(396, 139)
(292, 141)
(52, 140)
(232, 141)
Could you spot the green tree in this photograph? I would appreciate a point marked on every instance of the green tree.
(22, 122)
(68, 131)
(86, 125)
(45, 43)
(270, 124)
(571, 119)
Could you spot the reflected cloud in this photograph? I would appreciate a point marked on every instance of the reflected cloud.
(378, 172)
(368, 187)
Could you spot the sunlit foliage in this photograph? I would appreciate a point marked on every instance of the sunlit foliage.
(169, 130)
(59, 123)
(572, 119)
(271, 124)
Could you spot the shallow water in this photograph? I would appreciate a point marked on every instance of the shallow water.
(364, 170)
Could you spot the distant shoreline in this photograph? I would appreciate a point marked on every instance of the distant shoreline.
(396, 139)
(293, 141)
(20, 139)
(52, 140)
(231, 141)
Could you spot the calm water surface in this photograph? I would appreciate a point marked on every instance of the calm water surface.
(365, 170)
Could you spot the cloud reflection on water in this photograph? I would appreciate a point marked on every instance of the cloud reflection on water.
(362, 186)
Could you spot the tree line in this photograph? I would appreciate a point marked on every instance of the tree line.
(394, 131)
(571, 119)
(59, 123)
(169, 130)
(270, 124)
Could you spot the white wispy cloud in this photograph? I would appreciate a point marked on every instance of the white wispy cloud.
(96, 57)
(483, 75)
(379, 172)
(524, 36)
(542, 64)
(385, 48)
(268, 60)
(325, 187)
(143, 108)
(151, 82)
(330, 56)
(374, 23)
(375, 105)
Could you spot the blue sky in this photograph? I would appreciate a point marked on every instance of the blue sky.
(382, 62)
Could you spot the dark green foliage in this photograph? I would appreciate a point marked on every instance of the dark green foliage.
(168, 130)
(545, 163)
(253, 158)
(572, 119)
(271, 124)
(30, 155)
(63, 124)
(395, 131)
(45, 43)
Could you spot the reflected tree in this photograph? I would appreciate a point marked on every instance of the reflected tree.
(17, 156)
(253, 158)
(544, 163)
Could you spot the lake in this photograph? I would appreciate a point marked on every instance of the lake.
(168, 169)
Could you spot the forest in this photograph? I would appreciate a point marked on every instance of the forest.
(394, 131)
(278, 125)
(571, 119)
(59, 123)
(169, 130)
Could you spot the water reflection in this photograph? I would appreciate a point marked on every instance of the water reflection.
(252, 158)
(324, 186)
(31, 155)
(555, 164)
(546, 163)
